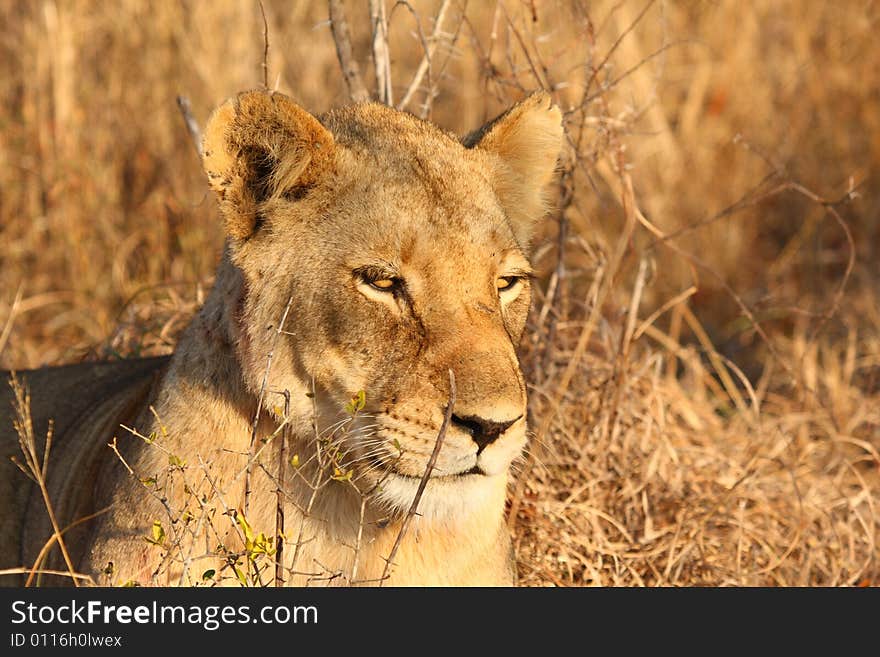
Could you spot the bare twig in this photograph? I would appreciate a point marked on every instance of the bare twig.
(265, 47)
(191, 124)
(259, 410)
(315, 487)
(413, 509)
(43, 571)
(359, 539)
(434, 78)
(35, 569)
(357, 91)
(425, 64)
(601, 65)
(381, 55)
(279, 493)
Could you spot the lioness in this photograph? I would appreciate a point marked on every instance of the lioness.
(368, 253)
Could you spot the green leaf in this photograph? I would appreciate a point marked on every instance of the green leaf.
(356, 403)
(245, 526)
(157, 534)
(209, 574)
(341, 475)
(176, 461)
(240, 575)
(294, 460)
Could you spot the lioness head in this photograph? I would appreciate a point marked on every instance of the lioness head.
(402, 250)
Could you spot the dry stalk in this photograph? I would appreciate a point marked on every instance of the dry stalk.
(13, 311)
(36, 469)
(413, 509)
(623, 350)
(357, 91)
(628, 202)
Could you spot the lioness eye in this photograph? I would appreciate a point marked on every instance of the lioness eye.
(385, 284)
(504, 283)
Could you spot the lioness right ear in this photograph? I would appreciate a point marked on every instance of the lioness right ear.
(526, 140)
(260, 147)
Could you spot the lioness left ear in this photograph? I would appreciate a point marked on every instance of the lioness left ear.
(260, 147)
(527, 140)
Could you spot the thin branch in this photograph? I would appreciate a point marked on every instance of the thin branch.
(191, 124)
(279, 493)
(359, 539)
(43, 571)
(413, 509)
(425, 64)
(35, 570)
(258, 412)
(316, 486)
(381, 56)
(265, 47)
(435, 78)
(601, 65)
(357, 91)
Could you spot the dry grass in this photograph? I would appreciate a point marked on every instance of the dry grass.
(704, 350)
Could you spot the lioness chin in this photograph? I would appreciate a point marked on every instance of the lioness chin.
(368, 254)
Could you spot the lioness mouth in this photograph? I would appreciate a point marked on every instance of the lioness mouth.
(475, 470)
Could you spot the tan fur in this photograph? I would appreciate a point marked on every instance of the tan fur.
(315, 209)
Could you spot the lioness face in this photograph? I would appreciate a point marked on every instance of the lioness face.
(403, 251)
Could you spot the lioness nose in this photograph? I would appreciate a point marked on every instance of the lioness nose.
(483, 431)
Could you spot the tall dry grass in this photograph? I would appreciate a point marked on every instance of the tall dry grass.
(704, 351)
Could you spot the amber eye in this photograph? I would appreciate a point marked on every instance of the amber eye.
(505, 283)
(385, 284)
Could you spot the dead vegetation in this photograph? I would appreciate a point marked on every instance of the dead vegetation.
(704, 352)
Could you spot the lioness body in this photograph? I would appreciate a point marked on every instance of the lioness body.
(393, 254)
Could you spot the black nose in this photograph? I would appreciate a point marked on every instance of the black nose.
(483, 431)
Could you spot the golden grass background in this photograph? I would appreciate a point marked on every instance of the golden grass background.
(704, 351)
